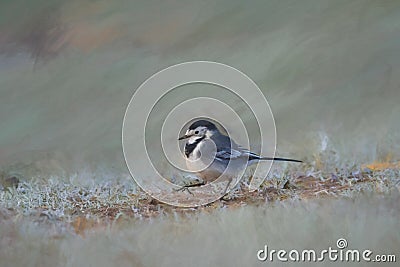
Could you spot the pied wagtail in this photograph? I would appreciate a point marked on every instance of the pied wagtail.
(210, 154)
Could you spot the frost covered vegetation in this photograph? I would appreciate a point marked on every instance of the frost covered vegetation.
(63, 201)
(54, 223)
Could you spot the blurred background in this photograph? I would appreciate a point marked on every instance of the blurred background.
(329, 69)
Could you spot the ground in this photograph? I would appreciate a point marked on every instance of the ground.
(84, 207)
(46, 219)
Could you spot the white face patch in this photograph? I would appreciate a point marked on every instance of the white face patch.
(198, 133)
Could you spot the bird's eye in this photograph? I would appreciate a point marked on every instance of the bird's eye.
(196, 132)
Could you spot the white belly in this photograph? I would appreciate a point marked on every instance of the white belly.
(210, 172)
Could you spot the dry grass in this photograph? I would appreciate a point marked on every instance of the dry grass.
(56, 223)
(80, 207)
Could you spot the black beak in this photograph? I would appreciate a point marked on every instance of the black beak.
(184, 137)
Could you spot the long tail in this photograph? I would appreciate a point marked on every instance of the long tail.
(280, 159)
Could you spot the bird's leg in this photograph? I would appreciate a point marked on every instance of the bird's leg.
(187, 186)
(226, 190)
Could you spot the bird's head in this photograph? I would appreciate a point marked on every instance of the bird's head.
(199, 130)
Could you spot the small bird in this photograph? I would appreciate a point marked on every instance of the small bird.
(210, 154)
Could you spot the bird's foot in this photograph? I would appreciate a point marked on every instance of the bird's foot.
(187, 186)
(228, 196)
